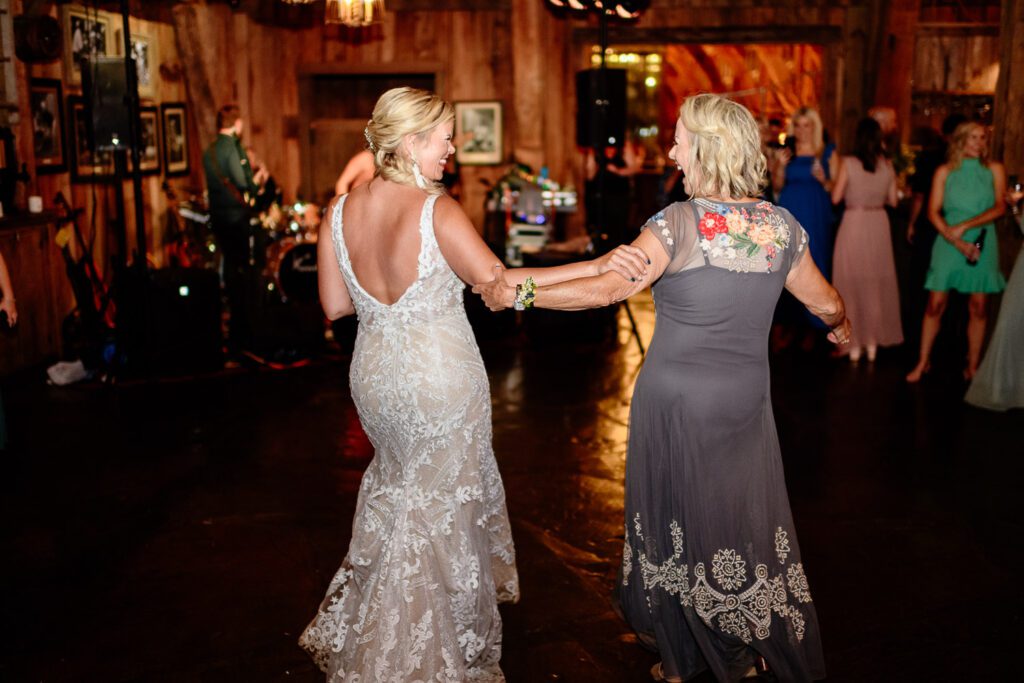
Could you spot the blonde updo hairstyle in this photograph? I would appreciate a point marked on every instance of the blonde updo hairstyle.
(725, 148)
(401, 112)
(958, 141)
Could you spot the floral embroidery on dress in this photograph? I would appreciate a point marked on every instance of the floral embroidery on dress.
(729, 569)
(741, 238)
(798, 582)
(658, 221)
(746, 613)
(781, 544)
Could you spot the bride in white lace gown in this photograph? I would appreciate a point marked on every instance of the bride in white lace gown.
(431, 556)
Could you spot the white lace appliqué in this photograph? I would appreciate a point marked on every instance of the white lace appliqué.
(781, 545)
(729, 601)
(431, 555)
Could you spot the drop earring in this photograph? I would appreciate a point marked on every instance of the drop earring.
(421, 182)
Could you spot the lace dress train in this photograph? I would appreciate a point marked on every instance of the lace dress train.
(431, 556)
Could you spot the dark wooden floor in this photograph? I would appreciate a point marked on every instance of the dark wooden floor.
(186, 530)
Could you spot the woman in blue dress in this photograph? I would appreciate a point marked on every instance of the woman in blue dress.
(802, 176)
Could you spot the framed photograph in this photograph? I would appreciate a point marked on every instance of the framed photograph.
(86, 36)
(144, 54)
(149, 139)
(46, 99)
(86, 165)
(479, 133)
(175, 126)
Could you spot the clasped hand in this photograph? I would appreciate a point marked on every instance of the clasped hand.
(626, 260)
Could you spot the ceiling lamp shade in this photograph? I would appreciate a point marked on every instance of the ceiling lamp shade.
(354, 12)
(624, 9)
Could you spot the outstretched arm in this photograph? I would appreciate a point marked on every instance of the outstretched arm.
(585, 292)
(471, 259)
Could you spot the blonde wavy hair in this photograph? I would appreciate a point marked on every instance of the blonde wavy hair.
(817, 128)
(958, 141)
(725, 148)
(398, 113)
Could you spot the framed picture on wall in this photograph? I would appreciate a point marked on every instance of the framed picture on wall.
(479, 133)
(174, 123)
(86, 165)
(144, 54)
(46, 99)
(86, 36)
(149, 139)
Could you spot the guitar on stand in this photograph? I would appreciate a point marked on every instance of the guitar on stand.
(89, 328)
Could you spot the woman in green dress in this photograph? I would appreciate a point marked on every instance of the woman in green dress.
(967, 196)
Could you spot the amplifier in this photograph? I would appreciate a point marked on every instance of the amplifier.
(172, 323)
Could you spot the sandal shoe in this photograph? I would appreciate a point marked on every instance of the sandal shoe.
(659, 675)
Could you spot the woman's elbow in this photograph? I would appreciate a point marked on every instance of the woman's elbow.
(338, 311)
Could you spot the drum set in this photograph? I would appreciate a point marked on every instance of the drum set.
(290, 235)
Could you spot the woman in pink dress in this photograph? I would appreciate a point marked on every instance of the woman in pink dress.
(864, 271)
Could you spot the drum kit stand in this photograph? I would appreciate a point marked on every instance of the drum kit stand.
(289, 263)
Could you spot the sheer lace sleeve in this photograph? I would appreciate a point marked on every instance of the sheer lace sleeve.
(798, 238)
(676, 229)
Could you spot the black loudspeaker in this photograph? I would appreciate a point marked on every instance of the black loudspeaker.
(37, 38)
(109, 103)
(591, 99)
(175, 326)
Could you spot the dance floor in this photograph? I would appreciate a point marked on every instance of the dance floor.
(186, 530)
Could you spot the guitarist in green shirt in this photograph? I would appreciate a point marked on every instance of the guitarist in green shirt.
(231, 187)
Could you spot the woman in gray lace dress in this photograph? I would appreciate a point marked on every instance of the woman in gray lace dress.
(711, 569)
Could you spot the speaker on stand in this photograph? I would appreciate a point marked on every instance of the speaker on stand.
(600, 108)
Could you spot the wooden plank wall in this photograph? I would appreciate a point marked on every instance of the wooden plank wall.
(255, 65)
(97, 199)
(520, 52)
(1009, 124)
(475, 47)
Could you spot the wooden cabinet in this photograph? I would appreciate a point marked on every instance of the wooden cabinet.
(40, 287)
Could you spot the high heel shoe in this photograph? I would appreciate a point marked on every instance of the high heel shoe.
(759, 671)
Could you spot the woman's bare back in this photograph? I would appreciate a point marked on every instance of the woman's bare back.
(381, 229)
